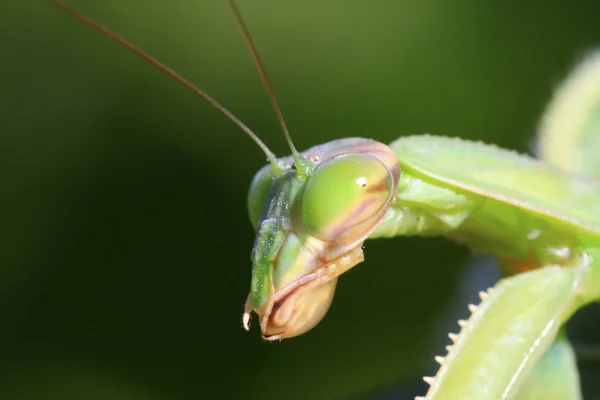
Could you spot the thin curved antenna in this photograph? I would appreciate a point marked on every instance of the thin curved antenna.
(147, 57)
(263, 73)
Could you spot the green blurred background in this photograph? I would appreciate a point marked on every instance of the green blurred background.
(125, 238)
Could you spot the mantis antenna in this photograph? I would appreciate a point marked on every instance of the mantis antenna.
(300, 162)
(147, 57)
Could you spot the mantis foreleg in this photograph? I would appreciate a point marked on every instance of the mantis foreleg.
(555, 376)
(509, 332)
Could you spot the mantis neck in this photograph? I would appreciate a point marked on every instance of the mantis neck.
(520, 239)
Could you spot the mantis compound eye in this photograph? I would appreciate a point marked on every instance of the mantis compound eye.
(343, 193)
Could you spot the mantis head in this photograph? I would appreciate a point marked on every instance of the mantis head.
(310, 228)
(312, 211)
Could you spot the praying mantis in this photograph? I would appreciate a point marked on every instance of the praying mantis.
(313, 212)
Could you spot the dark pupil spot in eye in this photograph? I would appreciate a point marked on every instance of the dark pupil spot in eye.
(294, 166)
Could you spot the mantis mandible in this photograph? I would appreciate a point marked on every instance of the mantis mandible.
(314, 210)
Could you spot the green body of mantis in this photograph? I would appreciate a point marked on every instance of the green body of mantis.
(540, 221)
(314, 210)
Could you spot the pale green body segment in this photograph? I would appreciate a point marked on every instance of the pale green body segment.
(489, 197)
(503, 175)
(529, 214)
(500, 350)
(555, 376)
(569, 133)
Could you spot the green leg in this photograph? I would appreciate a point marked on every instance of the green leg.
(555, 376)
(569, 132)
(511, 330)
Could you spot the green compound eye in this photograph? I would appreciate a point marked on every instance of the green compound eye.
(342, 193)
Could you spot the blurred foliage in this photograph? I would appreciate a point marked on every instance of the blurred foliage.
(125, 246)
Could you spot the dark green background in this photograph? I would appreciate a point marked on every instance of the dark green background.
(125, 238)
